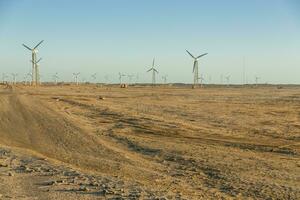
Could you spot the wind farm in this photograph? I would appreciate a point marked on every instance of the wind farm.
(88, 112)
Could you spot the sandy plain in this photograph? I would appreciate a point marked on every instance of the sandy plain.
(92, 142)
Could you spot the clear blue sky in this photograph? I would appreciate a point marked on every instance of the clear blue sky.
(111, 36)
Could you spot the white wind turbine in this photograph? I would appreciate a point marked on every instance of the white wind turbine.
(227, 79)
(201, 78)
(164, 78)
(256, 80)
(195, 66)
(55, 77)
(4, 76)
(14, 78)
(30, 76)
(76, 78)
(130, 76)
(120, 77)
(154, 71)
(93, 77)
(35, 70)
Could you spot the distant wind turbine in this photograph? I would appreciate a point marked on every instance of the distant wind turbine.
(227, 79)
(76, 77)
(93, 76)
(164, 78)
(154, 71)
(35, 75)
(195, 66)
(55, 77)
(120, 77)
(201, 78)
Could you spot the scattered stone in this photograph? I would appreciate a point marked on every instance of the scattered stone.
(50, 183)
(83, 189)
(3, 165)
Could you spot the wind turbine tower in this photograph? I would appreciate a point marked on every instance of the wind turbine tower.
(93, 76)
(14, 78)
(4, 76)
(76, 78)
(256, 80)
(130, 76)
(35, 75)
(120, 77)
(154, 71)
(195, 66)
(164, 78)
(227, 79)
(55, 77)
(201, 78)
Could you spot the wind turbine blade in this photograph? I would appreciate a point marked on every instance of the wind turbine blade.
(190, 54)
(149, 69)
(153, 62)
(195, 65)
(38, 61)
(38, 44)
(155, 70)
(27, 47)
(201, 55)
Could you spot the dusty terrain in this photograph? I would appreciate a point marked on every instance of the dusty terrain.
(89, 142)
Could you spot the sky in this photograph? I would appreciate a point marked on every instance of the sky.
(111, 36)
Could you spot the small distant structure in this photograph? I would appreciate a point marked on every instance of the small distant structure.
(130, 77)
(93, 77)
(256, 80)
(195, 67)
(55, 77)
(120, 77)
(201, 78)
(34, 61)
(14, 78)
(154, 71)
(4, 76)
(30, 78)
(227, 80)
(123, 85)
(164, 78)
(76, 75)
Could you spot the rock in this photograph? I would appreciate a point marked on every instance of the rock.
(10, 174)
(101, 98)
(83, 188)
(3, 165)
(50, 182)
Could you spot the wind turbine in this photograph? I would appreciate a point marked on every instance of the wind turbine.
(120, 77)
(93, 76)
(137, 78)
(153, 71)
(164, 78)
(55, 77)
(130, 76)
(14, 78)
(195, 66)
(256, 80)
(201, 78)
(227, 79)
(4, 76)
(76, 77)
(37, 70)
(30, 75)
(35, 75)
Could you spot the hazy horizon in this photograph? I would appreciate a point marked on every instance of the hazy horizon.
(108, 37)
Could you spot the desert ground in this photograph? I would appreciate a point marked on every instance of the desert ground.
(105, 142)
